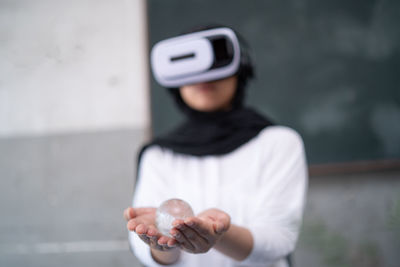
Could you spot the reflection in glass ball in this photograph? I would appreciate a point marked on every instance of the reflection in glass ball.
(169, 211)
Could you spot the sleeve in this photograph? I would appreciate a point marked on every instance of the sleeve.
(150, 190)
(278, 206)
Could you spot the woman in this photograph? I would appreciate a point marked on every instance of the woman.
(244, 177)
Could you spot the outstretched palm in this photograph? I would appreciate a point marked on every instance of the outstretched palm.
(142, 221)
(219, 219)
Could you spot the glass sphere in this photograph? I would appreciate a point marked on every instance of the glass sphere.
(169, 211)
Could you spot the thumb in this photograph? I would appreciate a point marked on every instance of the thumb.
(222, 223)
(129, 213)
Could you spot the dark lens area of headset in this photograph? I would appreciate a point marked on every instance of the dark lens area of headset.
(223, 51)
(180, 57)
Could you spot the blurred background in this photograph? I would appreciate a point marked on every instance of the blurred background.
(77, 101)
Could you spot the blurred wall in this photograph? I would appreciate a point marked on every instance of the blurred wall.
(73, 111)
(351, 220)
(72, 66)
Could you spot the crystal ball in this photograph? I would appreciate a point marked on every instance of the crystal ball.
(169, 211)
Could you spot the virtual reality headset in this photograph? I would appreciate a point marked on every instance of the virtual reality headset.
(196, 57)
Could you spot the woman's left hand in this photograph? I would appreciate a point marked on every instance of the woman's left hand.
(199, 234)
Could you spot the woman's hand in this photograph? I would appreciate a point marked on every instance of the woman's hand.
(142, 222)
(199, 234)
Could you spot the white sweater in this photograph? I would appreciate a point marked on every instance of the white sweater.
(261, 185)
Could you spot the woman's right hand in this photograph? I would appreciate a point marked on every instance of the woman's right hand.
(142, 222)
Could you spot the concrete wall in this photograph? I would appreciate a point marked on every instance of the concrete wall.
(72, 66)
(351, 221)
(74, 109)
(62, 198)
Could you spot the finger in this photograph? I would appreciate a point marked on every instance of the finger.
(172, 243)
(128, 213)
(222, 223)
(219, 227)
(138, 219)
(196, 239)
(152, 231)
(166, 241)
(131, 225)
(157, 239)
(183, 242)
(152, 242)
(141, 229)
(199, 243)
(134, 223)
(202, 227)
(188, 232)
(142, 211)
(163, 240)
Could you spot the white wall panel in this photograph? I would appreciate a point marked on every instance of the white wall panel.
(72, 66)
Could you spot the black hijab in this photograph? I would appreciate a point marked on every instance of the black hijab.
(215, 133)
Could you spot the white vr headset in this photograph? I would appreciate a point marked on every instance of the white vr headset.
(196, 57)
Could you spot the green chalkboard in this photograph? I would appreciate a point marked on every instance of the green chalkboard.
(329, 69)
